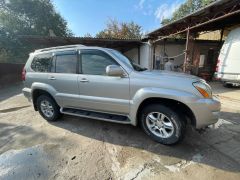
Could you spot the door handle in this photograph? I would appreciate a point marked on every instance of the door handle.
(52, 78)
(83, 80)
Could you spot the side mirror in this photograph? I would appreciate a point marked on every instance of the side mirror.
(114, 70)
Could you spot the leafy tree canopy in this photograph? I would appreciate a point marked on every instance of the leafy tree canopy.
(115, 29)
(186, 8)
(27, 17)
(88, 35)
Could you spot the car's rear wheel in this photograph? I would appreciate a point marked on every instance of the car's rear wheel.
(48, 108)
(227, 85)
(163, 124)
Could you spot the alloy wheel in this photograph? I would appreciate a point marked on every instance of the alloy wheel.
(159, 124)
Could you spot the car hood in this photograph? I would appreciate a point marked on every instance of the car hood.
(168, 74)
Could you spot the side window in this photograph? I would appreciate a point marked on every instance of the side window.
(66, 63)
(52, 69)
(94, 62)
(41, 62)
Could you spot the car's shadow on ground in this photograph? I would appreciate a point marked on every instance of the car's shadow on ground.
(195, 147)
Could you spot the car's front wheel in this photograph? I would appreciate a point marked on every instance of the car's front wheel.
(163, 124)
(48, 108)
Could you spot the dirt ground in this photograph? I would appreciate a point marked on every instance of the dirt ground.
(78, 148)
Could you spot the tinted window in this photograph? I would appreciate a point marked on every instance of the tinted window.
(95, 62)
(122, 57)
(66, 63)
(41, 63)
(52, 69)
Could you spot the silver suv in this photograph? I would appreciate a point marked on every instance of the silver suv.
(104, 84)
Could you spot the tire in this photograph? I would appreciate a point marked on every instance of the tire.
(227, 85)
(161, 131)
(51, 111)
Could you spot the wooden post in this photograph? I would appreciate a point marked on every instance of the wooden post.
(186, 52)
(164, 50)
(221, 36)
(150, 62)
(139, 54)
(154, 57)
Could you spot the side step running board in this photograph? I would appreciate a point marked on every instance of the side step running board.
(96, 115)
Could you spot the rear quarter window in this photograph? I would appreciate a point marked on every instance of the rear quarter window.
(41, 63)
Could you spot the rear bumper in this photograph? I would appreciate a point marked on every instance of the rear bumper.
(206, 111)
(27, 93)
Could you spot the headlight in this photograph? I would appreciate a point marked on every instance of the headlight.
(203, 88)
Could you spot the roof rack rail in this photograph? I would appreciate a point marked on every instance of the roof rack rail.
(59, 47)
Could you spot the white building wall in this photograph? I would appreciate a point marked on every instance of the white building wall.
(171, 50)
(144, 55)
(132, 54)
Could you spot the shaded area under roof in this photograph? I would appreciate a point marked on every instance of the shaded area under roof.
(46, 41)
(218, 15)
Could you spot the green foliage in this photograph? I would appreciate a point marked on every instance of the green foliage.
(88, 35)
(165, 21)
(114, 29)
(27, 17)
(186, 8)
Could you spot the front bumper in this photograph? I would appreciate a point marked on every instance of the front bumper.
(206, 111)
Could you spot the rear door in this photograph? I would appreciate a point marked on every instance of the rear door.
(63, 78)
(97, 90)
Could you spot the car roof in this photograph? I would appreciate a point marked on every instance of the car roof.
(66, 48)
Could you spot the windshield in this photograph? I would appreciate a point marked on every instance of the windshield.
(127, 61)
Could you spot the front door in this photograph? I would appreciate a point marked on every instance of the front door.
(97, 90)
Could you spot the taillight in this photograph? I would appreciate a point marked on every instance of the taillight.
(23, 74)
(217, 66)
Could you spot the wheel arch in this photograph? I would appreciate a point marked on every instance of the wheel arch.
(38, 92)
(178, 106)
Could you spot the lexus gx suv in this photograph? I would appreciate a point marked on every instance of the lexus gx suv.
(103, 84)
